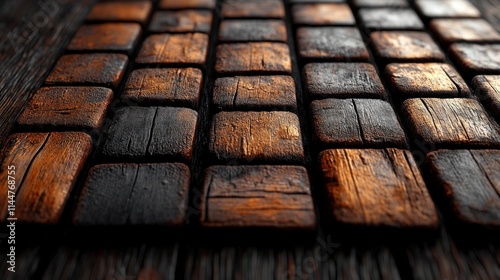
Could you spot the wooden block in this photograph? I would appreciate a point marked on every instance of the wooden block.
(120, 11)
(346, 123)
(390, 19)
(464, 30)
(46, 168)
(68, 107)
(188, 48)
(257, 196)
(487, 89)
(342, 80)
(470, 181)
(104, 37)
(182, 21)
(447, 9)
(270, 58)
(377, 188)
(137, 132)
(410, 80)
(322, 14)
(88, 69)
(381, 3)
(256, 136)
(269, 9)
(255, 93)
(252, 31)
(451, 123)
(187, 4)
(331, 44)
(476, 59)
(405, 46)
(170, 86)
(134, 194)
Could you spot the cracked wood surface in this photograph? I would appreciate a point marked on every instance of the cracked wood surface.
(234, 30)
(487, 88)
(181, 21)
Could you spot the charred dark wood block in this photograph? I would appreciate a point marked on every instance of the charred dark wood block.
(345, 123)
(487, 89)
(256, 136)
(188, 48)
(169, 86)
(88, 69)
(104, 37)
(390, 19)
(451, 123)
(470, 182)
(187, 4)
(182, 21)
(322, 14)
(476, 59)
(450, 31)
(255, 93)
(134, 194)
(331, 44)
(447, 9)
(342, 80)
(253, 57)
(405, 46)
(381, 3)
(252, 31)
(137, 132)
(410, 80)
(120, 11)
(46, 167)
(377, 188)
(269, 9)
(258, 196)
(68, 107)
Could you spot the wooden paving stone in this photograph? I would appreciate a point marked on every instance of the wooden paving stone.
(464, 30)
(377, 188)
(470, 181)
(487, 89)
(122, 11)
(188, 48)
(89, 69)
(182, 21)
(270, 137)
(46, 167)
(410, 80)
(346, 123)
(257, 196)
(476, 59)
(163, 132)
(252, 31)
(134, 194)
(68, 107)
(381, 3)
(105, 37)
(323, 14)
(447, 9)
(187, 4)
(450, 123)
(255, 93)
(390, 19)
(405, 46)
(169, 86)
(331, 44)
(342, 80)
(264, 9)
(259, 57)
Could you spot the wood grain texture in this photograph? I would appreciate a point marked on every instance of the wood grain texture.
(134, 194)
(381, 3)
(390, 19)
(446, 123)
(67, 107)
(470, 182)
(256, 136)
(169, 86)
(322, 14)
(342, 80)
(447, 9)
(137, 11)
(166, 132)
(255, 93)
(464, 30)
(47, 166)
(253, 57)
(487, 89)
(276, 197)
(264, 9)
(252, 31)
(106, 37)
(187, 4)
(331, 44)
(356, 123)
(182, 21)
(377, 188)
(476, 59)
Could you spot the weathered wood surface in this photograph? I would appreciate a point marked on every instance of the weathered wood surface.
(269, 9)
(353, 123)
(182, 21)
(137, 11)
(187, 4)
(476, 59)
(464, 30)
(487, 89)
(257, 196)
(377, 188)
(322, 14)
(447, 9)
(252, 31)
(106, 37)
(134, 194)
(381, 3)
(390, 19)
